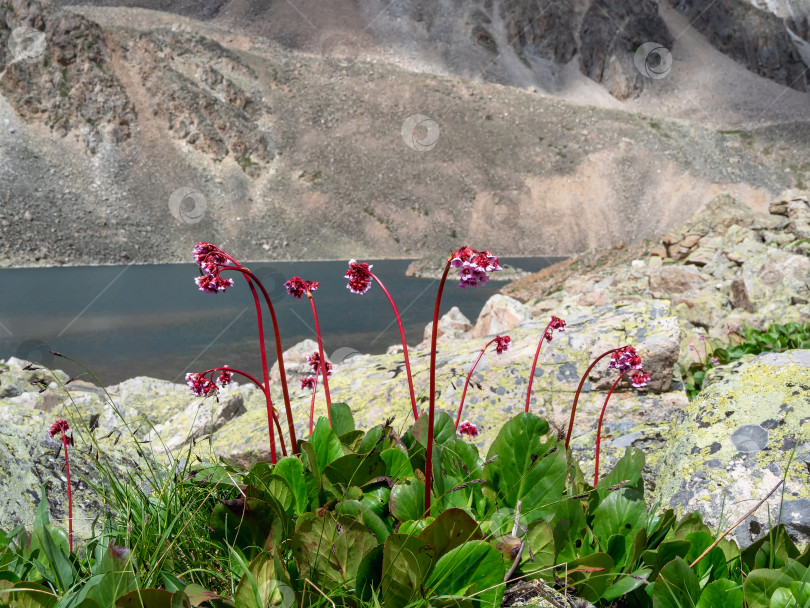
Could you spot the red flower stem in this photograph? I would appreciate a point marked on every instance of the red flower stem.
(279, 351)
(534, 364)
(268, 398)
(467, 382)
(404, 345)
(431, 410)
(69, 493)
(312, 403)
(579, 389)
(324, 370)
(599, 428)
(262, 388)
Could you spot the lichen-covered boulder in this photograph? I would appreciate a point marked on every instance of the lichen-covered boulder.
(499, 315)
(733, 443)
(453, 325)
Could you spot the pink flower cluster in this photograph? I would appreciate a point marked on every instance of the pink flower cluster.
(474, 266)
(203, 387)
(61, 427)
(468, 428)
(308, 382)
(210, 259)
(502, 344)
(359, 275)
(314, 361)
(556, 323)
(625, 359)
(297, 287)
(640, 378)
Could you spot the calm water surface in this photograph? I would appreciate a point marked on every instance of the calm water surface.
(125, 321)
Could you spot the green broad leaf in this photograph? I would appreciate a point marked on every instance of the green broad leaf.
(461, 470)
(351, 440)
(444, 429)
(198, 595)
(57, 554)
(376, 498)
(783, 598)
(621, 512)
(665, 553)
(406, 563)
(265, 484)
(371, 439)
(356, 509)
(590, 575)
(117, 575)
(325, 443)
(414, 527)
(661, 528)
(146, 598)
(355, 469)
(42, 519)
(540, 539)
(369, 574)
(264, 584)
(626, 584)
(328, 549)
(407, 499)
(31, 595)
(244, 523)
(171, 582)
(569, 525)
(525, 467)
(801, 591)
(616, 548)
(722, 593)
(397, 464)
(676, 586)
(761, 584)
(450, 529)
(474, 571)
(713, 565)
(292, 470)
(342, 419)
(628, 469)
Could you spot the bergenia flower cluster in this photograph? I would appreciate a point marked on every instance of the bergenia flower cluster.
(502, 344)
(640, 379)
(61, 427)
(297, 287)
(468, 428)
(308, 382)
(203, 387)
(625, 359)
(210, 259)
(359, 275)
(474, 266)
(314, 361)
(557, 324)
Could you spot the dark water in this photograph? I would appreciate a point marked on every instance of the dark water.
(125, 321)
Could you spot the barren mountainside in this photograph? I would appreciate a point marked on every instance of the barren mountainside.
(366, 129)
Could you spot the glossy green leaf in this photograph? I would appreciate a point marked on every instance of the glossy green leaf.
(31, 595)
(621, 512)
(292, 470)
(665, 553)
(355, 469)
(356, 509)
(721, 594)
(597, 573)
(407, 499)
(325, 443)
(264, 584)
(146, 598)
(760, 585)
(397, 464)
(626, 584)
(406, 563)
(342, 419)
(444, 429)
(450, 529)
(628, 469)
(540, 539)
(369, 573)
(473, 570)
(676, 586)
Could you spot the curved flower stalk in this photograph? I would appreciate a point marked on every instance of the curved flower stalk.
(61, 427)
(311, 382)
(212, 262)
(548, 332)
(582, 382)
(203, 385)
(297, 288)
(501, 345)
(626, 360)
(473, 270)
(360, 276)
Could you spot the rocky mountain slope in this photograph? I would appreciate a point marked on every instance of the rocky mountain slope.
(130, 134)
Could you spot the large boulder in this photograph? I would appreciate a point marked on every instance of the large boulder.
(734, 443)
(499, 315)
(453, 325)
(295, 363)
